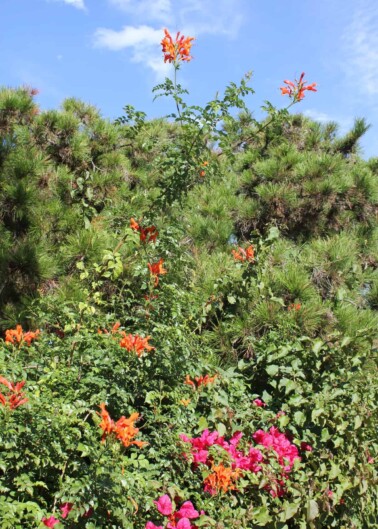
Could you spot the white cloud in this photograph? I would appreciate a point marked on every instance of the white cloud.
(322, 117)
(79, 4)
(361, 48)
(129, 36)
(143, 41)
(344, 124)
(192, 17)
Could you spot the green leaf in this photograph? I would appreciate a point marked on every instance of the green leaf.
(335, 471)
(202, 424)
(357, 422)
(261, 516)
(312, 510)
(273, 234)
(221, 429)
(290, 509)
(318, 344)
(299, 417)
(272, 370)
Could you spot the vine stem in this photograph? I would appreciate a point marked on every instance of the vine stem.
(175, 92)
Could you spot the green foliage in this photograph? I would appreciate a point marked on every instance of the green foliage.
(135, 222)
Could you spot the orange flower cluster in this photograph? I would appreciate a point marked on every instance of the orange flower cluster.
(297, 89)
(157, 269)
(16, 397)
(147, 235)
(17, 335)
(123, 429)
(244, 255)
(176, 51)
(135, 343)
(199, 381)
(114, 329)
(221, 478)
(203, 172)
(294, 306)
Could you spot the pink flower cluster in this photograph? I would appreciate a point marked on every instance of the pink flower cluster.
(277, 444)
(65, 509)
(201, 445)
(176, 519)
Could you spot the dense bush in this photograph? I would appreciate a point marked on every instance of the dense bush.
(198, 297)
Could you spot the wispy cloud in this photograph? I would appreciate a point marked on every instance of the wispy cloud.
(316, 115)
(143, 41)
(361, 47)
(79, 4)
(344, 124)
(192, 17)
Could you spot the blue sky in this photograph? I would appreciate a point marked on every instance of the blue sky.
(107, 52)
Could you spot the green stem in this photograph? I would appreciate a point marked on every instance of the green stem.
(175, 93)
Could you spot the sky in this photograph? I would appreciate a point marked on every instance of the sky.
(108, 53)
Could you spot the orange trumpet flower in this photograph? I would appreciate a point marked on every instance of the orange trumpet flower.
(178, 50)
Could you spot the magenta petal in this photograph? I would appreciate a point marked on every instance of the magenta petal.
(65, 509)
(164, 505)
(150, 525)
(187, 511)
(183, 524)
(50, 522)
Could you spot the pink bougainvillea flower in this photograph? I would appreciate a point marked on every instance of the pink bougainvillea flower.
(184, 523)
(150, 525)
(187, 510)
(297, 89)
(88, 513)
(176, 519)
(286, 452)
(259, 403)
(164, 505)
(306, 447)
(49, 522)
(65, 509)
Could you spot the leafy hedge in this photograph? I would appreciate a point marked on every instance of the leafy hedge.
(205, 290)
